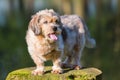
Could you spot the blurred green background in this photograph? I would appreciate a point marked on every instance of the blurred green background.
(101, 16)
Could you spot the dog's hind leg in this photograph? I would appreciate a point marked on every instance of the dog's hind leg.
(78, 49)
(77, 59)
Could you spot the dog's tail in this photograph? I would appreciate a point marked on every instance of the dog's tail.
(90, 42)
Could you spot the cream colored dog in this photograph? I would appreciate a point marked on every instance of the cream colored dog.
(52, 37)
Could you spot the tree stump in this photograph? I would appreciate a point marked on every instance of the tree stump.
(83, 74)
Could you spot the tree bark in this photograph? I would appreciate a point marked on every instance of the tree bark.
(78, 7)
(66, 7)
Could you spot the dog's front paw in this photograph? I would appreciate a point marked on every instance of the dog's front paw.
(57, 71)
(37, 72)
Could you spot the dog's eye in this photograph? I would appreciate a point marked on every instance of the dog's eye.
(45, 22)
(57, 21)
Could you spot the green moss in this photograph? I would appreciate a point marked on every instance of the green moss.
(83, 74)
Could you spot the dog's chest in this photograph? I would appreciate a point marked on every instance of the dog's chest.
(45, 48)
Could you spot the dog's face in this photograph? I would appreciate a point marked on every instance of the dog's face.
(46, 23)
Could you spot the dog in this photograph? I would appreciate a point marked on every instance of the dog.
(54, 37)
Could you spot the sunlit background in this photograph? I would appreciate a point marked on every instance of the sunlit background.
(101, 16)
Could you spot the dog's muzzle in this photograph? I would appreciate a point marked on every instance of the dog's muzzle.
(52, 36)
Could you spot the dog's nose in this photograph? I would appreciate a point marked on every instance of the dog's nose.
(55, 28)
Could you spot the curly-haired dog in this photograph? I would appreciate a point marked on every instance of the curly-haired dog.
(50, 37)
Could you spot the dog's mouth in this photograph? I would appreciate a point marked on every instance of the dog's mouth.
(52, 36)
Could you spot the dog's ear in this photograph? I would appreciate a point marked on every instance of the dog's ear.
(34, 25)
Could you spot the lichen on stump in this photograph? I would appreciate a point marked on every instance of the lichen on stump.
(83, 74)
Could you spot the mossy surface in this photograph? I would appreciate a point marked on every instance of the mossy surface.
(83, 74)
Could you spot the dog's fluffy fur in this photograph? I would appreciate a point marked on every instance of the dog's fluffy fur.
(50, 37)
